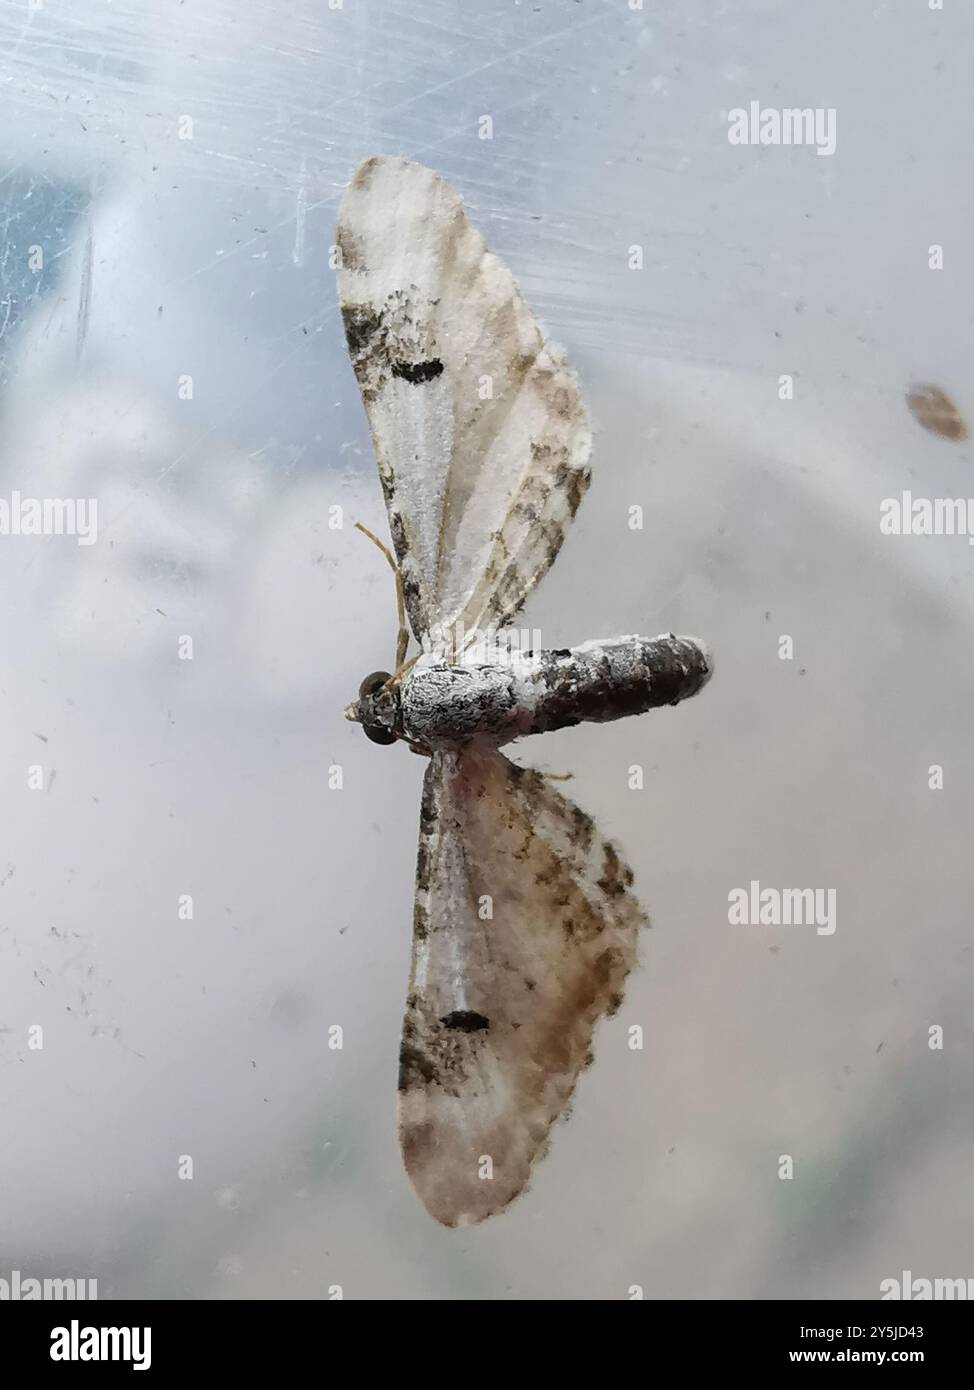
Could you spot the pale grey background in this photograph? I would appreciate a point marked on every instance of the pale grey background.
(209, 257)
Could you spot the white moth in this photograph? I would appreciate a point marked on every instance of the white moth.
(524, 927)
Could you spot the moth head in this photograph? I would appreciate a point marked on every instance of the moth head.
(376, 708)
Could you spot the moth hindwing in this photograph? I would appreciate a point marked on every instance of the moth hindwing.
(524, 934)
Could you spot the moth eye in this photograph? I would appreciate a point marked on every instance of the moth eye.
(378, 734)
(372, 683)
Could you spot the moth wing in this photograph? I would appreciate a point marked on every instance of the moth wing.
(524, 934)
(480, 433)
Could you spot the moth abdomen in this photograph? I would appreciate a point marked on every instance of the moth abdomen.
(446, 706)
(610, 679)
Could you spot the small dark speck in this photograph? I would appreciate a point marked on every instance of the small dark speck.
(879, 1047)
(42, 737)
(161, 614)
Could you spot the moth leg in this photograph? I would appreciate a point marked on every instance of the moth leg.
(402, 642)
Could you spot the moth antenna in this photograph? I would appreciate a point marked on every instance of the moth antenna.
(402, 642)
(398, 674)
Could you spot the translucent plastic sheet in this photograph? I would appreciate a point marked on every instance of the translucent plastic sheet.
(171, 346)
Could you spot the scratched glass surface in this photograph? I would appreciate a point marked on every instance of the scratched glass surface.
(179, 168)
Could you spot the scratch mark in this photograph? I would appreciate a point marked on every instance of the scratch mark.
(300, 216)
(84, 296)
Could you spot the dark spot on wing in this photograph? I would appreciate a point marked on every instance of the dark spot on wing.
(575, 483)
(415, 1068)
(466, 1020)
(421, 922)
(388, 486)
(521, 365)
(365, 171)
(608, 964)
(418, 1143)
(616, 877)
(418, 372)
(350, 249)
(523, 850)
(583, 828)
(549, 874)
(427, 809)
(527, 512)
(413, 597)
(362, 326)
(423, 865)
(400, 541)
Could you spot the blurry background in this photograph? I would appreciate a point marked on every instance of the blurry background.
(206, 256)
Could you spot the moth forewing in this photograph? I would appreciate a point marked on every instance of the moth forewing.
(524, 932)
(480, 433)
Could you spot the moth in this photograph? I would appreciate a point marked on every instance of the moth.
(524, 926)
